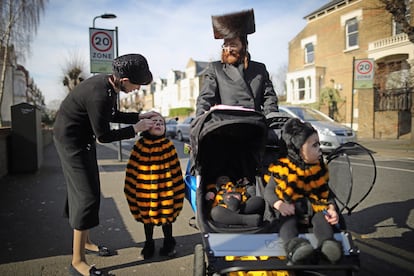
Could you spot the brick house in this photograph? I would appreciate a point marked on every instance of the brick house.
(323, 55)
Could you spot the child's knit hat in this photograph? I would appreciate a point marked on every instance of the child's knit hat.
(295, 133)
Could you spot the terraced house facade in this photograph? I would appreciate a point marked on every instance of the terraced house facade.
(322, 58)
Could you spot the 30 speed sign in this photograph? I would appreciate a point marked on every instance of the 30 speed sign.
(101, 50)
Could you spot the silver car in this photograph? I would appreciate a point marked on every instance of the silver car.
(183, 129)
(171, 127)
(331, 133)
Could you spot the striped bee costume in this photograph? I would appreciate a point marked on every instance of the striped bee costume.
(229, 187)
(295, 182)
(154, 186)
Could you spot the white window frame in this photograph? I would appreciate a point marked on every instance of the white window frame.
(356, 14)
(306, 41)
(309, 55)
(349, 35)
(301, 89)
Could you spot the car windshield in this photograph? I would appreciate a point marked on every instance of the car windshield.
(307, 114)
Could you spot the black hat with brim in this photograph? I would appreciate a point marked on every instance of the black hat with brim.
(134, 67)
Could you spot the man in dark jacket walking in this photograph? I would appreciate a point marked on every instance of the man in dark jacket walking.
(236, 80)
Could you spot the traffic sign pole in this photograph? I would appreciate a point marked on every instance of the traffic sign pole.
(362, 78)
(118, 97)
(101, 50)
(102, 53)
(352, 92)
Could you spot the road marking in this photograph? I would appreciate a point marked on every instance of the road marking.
(378, 167)
(396, 256)
(395, 169)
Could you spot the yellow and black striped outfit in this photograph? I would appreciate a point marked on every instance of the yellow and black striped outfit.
(294, 182)
(154, 186)
(227, 188)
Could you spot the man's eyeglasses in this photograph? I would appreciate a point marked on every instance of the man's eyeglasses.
(230, 47)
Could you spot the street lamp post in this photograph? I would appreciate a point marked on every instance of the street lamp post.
(112, 16)
(103, 16)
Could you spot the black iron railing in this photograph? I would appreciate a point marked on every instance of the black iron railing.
(397, 99)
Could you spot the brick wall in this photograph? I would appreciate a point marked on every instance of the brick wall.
(332, 55)
(391, 124)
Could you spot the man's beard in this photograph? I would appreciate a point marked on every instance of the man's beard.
(232, 57)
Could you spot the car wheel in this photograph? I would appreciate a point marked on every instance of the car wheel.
(180, 136)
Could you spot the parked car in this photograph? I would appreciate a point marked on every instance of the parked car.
(183, 129)
(171, 127)
(331, 133)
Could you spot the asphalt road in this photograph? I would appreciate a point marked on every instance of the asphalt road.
(383, 223)
(36, 240)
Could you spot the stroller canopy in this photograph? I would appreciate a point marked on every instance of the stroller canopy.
(229, 142)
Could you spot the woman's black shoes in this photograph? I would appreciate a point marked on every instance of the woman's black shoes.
(102, 252)
(93, 271)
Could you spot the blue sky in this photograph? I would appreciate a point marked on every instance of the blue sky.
(167, 32)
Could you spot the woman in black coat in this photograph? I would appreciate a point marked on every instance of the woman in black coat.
(84, 116)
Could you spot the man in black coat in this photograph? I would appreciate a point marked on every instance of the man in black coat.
(236, 80)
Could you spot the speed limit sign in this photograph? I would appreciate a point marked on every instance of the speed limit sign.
(101, 50)
(364, 73)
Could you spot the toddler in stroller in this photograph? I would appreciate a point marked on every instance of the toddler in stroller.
(235, 204)
(298, 189)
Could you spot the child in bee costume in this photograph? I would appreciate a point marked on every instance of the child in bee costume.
(235, 203)
(154, 186)
(297, 189)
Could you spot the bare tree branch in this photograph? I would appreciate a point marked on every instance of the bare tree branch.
(19, 20)
(398, 9)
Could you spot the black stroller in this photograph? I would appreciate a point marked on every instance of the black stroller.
(236, 139)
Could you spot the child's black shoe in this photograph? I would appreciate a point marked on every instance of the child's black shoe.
(299, 250)
(148, 250)
(168, 248)
(331, 250)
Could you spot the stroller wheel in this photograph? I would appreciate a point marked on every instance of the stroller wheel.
(199, 268)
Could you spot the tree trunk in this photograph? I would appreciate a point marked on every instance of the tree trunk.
(4, 65)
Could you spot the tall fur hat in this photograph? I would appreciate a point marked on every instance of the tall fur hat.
(295, 133)
(233, 24)
(134, 67)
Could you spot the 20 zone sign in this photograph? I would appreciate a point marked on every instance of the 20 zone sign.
(101, 50)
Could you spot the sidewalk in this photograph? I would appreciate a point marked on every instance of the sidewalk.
(390, 148)
(36, 240)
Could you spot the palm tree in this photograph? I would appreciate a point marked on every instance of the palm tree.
(19, 20)
(73, 77)
(73, 70)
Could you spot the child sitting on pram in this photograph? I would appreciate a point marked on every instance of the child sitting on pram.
(297, 189)
(235, 204)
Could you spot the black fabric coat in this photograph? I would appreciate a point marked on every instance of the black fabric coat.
(86, 113)
(84, 116)
(230, 85)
